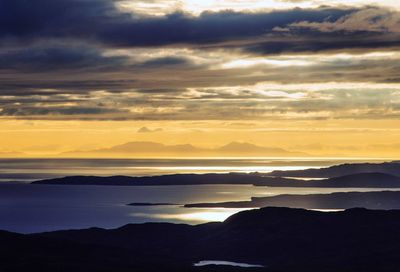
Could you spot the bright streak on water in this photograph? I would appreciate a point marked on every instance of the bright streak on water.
(203, 215)
(227, 169)
(27, 170)
(31, 208)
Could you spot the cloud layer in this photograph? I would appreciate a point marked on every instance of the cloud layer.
(96, 59)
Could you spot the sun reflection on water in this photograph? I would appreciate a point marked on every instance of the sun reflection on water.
(198, 216)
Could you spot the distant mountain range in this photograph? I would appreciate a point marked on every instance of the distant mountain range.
(279, 239)
(158, 149)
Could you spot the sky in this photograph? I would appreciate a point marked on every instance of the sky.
(321, 77)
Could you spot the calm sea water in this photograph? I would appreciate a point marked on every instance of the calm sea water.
(35, 208)
(30, 208)
(26, 170)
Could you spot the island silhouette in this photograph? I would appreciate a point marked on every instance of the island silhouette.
(146, 148)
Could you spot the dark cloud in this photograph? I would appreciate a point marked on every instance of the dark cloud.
(166, 61)
(320, 44)
(62, 18)
(208, 28)
(311, 105)
(99, 20)
(38, 59)
(48, 86)
(160, 91)
(86, 59)
(55, 111)
(369, 19)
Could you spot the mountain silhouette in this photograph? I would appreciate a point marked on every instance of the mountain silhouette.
(372, 200)
(280, 239)
(176, 179)
(363, 180)
(392, 168)
(152, 148)
(147, 147)
(238, 148)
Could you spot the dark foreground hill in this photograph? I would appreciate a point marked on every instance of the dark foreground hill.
(362, 180)
(281, 239)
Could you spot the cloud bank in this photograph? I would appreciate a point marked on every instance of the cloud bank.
(95, 60)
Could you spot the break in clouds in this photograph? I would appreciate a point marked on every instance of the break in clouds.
(98, 59)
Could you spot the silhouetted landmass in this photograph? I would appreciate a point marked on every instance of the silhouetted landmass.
(371, 180)
(151, 148)
(237, 148)
(363, 180)
(176, 179)
(372, 200)
(281, 239)
(152, 204)
(148, 147)
(391, 168)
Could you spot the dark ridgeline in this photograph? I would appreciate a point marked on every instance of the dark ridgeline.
(281, 239)
(361, 180)
(385, 200)
(176, 179)
(231, 149)
(391, 168)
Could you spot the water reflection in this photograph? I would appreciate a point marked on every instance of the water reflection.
(209, 262)
(33, 169)
(35, 208)
(198, 216)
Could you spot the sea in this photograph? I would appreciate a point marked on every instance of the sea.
(28, 208)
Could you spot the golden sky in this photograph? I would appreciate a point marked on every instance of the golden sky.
(319, 77)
